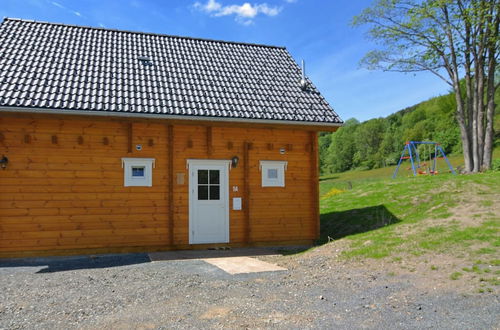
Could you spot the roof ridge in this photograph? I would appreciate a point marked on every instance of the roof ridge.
(141, 32)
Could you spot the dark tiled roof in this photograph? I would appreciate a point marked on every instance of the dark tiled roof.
(64, 67)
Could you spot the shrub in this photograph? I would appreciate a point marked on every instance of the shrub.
(495, 165)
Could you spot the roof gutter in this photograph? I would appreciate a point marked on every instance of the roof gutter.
(166, 117)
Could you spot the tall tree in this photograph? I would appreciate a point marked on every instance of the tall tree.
(458, 41)
(341, 150)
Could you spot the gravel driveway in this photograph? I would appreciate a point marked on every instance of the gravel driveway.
(130, 291)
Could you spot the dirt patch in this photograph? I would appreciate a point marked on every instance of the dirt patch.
(215, 312)
(430, 273)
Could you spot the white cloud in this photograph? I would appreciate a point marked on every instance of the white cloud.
(244, 13)
(210, 6)
(58, 5)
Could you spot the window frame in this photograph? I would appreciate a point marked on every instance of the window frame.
(280, 166)
(129, 180)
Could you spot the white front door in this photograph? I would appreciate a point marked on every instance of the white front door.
(208, 201)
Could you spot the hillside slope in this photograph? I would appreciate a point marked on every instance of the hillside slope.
(445, 228)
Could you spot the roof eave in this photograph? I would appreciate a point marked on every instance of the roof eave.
(326, 126)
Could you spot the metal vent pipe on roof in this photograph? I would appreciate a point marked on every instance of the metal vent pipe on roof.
(303, 81)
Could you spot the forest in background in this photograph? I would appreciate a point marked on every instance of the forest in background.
(379, 142)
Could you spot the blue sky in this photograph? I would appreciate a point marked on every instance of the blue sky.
(317, 31)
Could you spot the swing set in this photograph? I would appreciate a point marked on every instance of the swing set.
(418, 167)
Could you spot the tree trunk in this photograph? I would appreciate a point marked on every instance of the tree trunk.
(473, 117)
(463, 118)
(464, 132)
(493, 28)
(480, 116)
(471, 97)
(490, 112)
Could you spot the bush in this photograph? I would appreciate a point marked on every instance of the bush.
(495, 165)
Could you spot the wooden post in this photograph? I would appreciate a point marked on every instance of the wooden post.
(315, 185)
(170, 146)
(246, 191)
(209, 141)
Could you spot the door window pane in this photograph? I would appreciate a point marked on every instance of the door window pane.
(209, 185)
(202, 176)
(214, 193)
(202, 192)
(214, 176)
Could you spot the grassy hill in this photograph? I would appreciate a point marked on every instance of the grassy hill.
(447, 224)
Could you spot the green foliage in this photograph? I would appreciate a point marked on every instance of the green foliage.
(457, 41)
(495, 166)
(339, 156)
(379, 142)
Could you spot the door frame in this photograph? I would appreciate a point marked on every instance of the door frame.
(192, 185)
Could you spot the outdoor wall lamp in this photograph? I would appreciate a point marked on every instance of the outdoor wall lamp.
(3, 162)
(234, 161)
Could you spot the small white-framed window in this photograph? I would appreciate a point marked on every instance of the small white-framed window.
(138, 172)
(273, 173)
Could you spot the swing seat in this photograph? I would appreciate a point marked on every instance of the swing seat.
(422, 172)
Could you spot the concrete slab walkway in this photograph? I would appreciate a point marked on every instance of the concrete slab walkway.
(243, 265)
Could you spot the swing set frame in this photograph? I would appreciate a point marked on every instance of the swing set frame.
(414, 156)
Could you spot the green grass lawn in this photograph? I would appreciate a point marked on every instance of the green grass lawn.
(373, 210)
(379, 217)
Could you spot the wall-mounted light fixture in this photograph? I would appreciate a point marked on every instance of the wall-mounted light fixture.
(234, 161)
(3, 162)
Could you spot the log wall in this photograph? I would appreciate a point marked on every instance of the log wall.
(63, 187)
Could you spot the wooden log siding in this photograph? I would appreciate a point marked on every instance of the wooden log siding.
(70, 195)
(314, 183)
(170, 135)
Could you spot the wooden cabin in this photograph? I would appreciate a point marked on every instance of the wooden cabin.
(118, 141)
